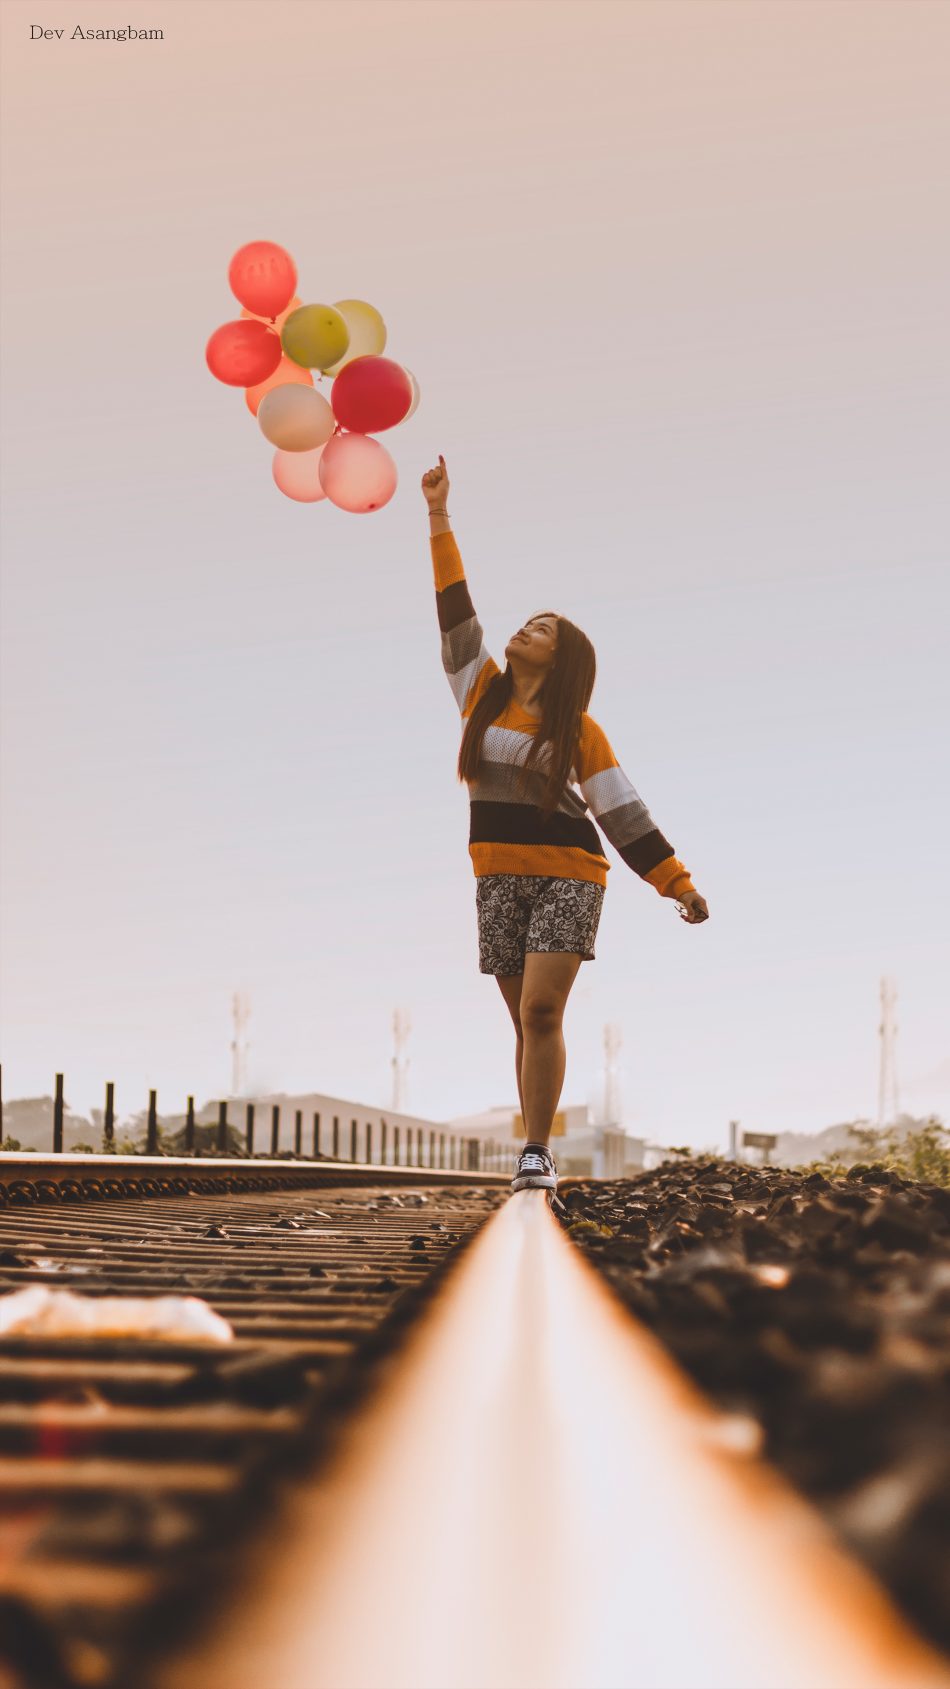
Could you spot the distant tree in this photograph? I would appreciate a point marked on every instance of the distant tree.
(913, 1149)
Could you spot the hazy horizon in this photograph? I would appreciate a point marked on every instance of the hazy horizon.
(672, 281)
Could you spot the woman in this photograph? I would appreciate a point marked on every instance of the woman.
(540, 871)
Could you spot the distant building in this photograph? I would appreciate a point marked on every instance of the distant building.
(580, 1145)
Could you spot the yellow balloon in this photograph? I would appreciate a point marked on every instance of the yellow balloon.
(295, 418)
(315, 336)
(367, 332)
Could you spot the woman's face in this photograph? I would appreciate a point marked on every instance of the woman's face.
(535, 643)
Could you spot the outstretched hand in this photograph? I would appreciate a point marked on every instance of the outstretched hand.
(435, 483)
(693, 907)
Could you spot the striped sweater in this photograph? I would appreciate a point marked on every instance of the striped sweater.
(507, 834)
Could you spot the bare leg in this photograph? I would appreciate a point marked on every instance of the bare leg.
(548, 978)
(510, 987)
(519, 1058)
(542, 1075)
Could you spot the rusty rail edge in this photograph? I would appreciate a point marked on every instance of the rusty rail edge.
(537, 1496)
(81, 1178)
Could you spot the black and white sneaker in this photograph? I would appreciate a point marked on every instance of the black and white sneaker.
(536, 1168)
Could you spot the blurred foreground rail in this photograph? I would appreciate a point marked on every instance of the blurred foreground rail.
(132, 1467)
(532, 1495)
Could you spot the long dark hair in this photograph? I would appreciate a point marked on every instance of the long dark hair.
(565, 697)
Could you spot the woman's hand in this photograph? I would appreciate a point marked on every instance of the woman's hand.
(693, 907)
(435, 484)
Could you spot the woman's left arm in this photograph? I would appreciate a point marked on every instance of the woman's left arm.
(618, 808)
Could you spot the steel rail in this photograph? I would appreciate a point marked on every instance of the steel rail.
(82, 1177)
(537, 1498)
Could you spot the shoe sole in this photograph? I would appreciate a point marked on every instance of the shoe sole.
(535, 1181)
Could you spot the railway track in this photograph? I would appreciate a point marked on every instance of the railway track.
(130, 1469)
(437, 1453)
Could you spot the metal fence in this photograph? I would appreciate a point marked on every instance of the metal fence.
(259, 1135)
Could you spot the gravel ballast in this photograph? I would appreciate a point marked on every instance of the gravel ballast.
(819, 1307)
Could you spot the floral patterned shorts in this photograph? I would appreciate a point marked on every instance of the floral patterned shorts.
(521, 912)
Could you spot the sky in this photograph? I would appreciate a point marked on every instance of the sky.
(672, 280)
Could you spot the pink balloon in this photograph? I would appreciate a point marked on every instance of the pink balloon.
(297, 474)
(357, 473)
(371, 393)
(243, 353)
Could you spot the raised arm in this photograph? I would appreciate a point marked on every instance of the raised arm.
(618, 808)
(465, 658)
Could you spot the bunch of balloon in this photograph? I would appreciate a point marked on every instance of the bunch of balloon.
(324, 447)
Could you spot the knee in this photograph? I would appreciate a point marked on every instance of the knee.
(541, 1014)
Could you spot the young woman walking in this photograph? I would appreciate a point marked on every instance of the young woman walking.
(539, 869)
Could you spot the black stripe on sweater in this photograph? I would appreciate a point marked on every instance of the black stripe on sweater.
(454, 605)
(521, 823)
(647, 853)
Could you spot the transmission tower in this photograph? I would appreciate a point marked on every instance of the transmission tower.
(887, 1087)
(612, 1043)
(400, 1061)
(240, 1014)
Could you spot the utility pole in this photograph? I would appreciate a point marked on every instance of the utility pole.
(240, 1013)
(400, 1061)
(887, 1109)
(612, 1043)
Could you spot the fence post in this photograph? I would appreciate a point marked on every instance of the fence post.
(108, 1121)
(369, 1142)
(382, 1146)
(151, 1131)
(274, 1129)
(222, 1139)
(352, 1140)
(249, 1130)
(336, 1137)
(316, 1135)
(58, 1116)
(395, 1146)
(189, 1127)
(298, 1131)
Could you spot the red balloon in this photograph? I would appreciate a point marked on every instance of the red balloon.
(281, 317)
(243, 353)
(263, 276)
(371, 393)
